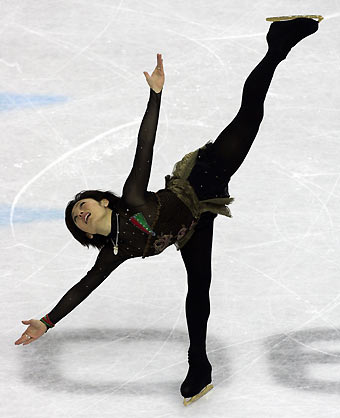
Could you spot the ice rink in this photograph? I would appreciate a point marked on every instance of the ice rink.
(72, 98)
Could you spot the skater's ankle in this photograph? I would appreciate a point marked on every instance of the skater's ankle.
(198, 358)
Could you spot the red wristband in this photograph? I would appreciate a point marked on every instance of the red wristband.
(46, 320)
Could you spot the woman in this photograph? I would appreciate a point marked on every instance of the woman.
(143, 223)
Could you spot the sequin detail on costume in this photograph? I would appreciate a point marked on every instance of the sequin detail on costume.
(162, 242)
(181, 233)
(140, 222)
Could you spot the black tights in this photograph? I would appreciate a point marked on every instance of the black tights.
(231, 146)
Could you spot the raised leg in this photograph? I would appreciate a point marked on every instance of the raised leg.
(234, 142)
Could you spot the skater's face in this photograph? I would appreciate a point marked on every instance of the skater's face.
(88, 214)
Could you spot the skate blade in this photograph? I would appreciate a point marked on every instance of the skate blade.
(278, 18)
(199, 395)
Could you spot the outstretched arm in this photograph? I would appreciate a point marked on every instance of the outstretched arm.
(103, 267)
(136, 184)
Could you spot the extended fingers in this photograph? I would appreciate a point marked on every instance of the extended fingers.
(28, 341)
(159, 61)
(23, 340)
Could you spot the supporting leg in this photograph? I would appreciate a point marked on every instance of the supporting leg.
(196, 255)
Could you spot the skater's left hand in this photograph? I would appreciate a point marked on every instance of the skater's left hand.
(156, 81)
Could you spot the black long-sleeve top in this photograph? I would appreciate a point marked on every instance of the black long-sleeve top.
(150, 222)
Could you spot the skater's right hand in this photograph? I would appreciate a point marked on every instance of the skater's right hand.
(35, 330)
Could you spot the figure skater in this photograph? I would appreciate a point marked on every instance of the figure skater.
(143, 223)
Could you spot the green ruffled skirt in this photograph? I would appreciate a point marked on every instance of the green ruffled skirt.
(178, 183)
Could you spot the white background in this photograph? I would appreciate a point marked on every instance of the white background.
(273, 337)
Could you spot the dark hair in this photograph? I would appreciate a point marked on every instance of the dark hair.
(98, 241)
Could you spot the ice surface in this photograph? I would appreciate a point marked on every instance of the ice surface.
(72, 96)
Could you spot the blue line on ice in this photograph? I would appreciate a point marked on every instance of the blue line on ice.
(26, 215)
(10, 101)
